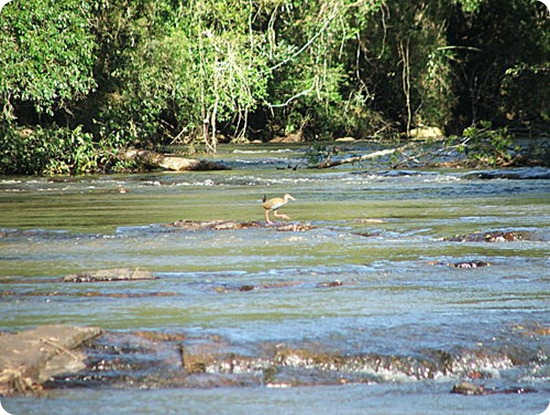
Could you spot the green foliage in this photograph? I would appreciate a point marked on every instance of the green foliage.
(318, 152)
(92, 78)
(131, 85)
(47, 54)
(501, 71)
(47, 151)
(207, 66)
(312, 88)
(486, 146)
(469, 5)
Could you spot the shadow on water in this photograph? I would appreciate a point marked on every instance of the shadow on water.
(401, 284)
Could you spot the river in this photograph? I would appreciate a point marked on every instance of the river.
(406, 283)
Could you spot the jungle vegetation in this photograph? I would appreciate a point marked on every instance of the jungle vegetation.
(82, 80)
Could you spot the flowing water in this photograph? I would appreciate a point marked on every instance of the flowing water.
(407, 283)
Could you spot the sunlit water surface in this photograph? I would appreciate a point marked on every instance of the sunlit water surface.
(371, 277)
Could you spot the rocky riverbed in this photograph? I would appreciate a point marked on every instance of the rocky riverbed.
(50, 357)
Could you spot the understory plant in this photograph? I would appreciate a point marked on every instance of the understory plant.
(484, 145)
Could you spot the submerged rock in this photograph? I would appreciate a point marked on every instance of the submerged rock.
(523, 173)
(250, 287)
(468, 388)
(90, 294)
(114, 274)
(469, 264)
(493, 236)
(31, 357)
(462, 264)
(330, 284)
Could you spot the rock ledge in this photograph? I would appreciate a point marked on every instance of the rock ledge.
(31, 357)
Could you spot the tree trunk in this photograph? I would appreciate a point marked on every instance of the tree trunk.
(332, 163)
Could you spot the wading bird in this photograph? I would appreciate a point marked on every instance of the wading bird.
(274, 204)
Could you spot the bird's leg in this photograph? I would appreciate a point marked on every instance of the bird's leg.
(282, 216)
(267, 217)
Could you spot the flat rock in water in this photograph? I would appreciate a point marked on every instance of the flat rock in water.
(114, 274)
(363, 221)
(31, 357)
(293, 227)
(217, 225)
(220, 225)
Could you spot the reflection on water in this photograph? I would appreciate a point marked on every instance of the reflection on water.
(353, 286)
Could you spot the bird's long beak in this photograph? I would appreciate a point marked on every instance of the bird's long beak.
(290, 197)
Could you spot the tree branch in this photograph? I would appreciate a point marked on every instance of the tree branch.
(288, 101)
(328, 163)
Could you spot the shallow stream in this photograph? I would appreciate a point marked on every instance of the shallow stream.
(407, 283)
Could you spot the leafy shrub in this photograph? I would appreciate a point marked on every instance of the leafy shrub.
(486, 146)
(47, 151)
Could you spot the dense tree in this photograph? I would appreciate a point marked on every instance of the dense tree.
(47, 54)
(503, 70)
(82, 80)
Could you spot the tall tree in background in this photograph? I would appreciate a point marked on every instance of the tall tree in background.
(81, 80)
(203, 72)
(47, 55)
(503, 73)
(404, 61)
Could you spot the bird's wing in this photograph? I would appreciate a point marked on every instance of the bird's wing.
(275, 203)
